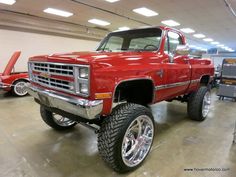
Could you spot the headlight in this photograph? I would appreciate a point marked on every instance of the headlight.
(83, 88)
(82, 80)
(84, 73)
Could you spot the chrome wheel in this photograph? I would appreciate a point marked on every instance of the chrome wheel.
(20, 88)
(206, 104)
(137, 141)
(62, 121)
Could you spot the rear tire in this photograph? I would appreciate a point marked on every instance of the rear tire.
(199, 104)
(19, 88)
(126, 136)
(56, 121)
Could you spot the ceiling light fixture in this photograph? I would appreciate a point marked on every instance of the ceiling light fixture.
(199, 48)
(225, 48)
(192, 46)
(170, 23)
(8, 2)
(199, 36)
(208, 40)
(220, 45)
(215, 43)
(145, 11)
(58, 12)
(111, 1)
(187, 30)
(99, 22)
(174, 41)
(123, 28)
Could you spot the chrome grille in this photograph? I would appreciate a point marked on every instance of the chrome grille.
(59, 76)
(41, 73)
(65, 85)
(57, 69)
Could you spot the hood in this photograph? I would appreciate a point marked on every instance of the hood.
(96, 57)
(11, 63)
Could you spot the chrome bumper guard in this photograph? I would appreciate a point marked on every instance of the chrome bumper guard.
(80, 107)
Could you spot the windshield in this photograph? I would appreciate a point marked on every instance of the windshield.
(132, 40)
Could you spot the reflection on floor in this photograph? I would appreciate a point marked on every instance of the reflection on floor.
(28, 147)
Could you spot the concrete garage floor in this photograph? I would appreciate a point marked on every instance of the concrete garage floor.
(28, 147)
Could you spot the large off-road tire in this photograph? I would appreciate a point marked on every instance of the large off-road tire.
(19, 88)
(56, 121)
(199, 104)
(126, 136)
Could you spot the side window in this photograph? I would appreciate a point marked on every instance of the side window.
(173, 40)
(146, 43)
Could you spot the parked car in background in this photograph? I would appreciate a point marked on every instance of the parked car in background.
(11, 81)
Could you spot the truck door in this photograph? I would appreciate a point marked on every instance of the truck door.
(178, 70)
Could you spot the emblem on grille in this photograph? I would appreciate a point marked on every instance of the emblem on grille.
(46, 75)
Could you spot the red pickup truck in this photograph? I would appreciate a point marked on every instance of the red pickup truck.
(13, 81)
(109, 90)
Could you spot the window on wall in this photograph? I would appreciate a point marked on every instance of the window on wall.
(173, 40)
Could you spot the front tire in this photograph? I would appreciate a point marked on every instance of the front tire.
(56, 121)
(199, 104)
(19, 88)
(126, 136)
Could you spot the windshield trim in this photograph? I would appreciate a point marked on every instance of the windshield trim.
(107, 36)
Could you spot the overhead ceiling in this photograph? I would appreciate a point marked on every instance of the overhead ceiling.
(212, 18)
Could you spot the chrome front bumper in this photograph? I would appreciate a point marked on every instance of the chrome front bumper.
(80, 107)
(2, 88)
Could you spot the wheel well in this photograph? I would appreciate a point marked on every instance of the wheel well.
(22, 79)
(136, 91)
(205, 80)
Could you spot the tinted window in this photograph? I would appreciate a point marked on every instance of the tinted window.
(147, 43)
(133, 40)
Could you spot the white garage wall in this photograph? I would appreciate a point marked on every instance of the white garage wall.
(218, 59)
(31, 44)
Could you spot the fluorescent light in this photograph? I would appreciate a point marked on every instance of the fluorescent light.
(224, 47)
(145, 11)
(111, 1)
(123, 28)
(170, 23)
(215, 43)
(199, 36)
(220, 45)
(192, 46)
(208, 40)
(174, 41)
(8, 2)
(58, 12)
(204, 49)
(187, 30)
(199, 48)
(99, 22)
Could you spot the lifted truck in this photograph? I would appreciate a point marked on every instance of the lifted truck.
(109, 90)
(11, 81)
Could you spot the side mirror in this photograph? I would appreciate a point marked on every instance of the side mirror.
(182, 50)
